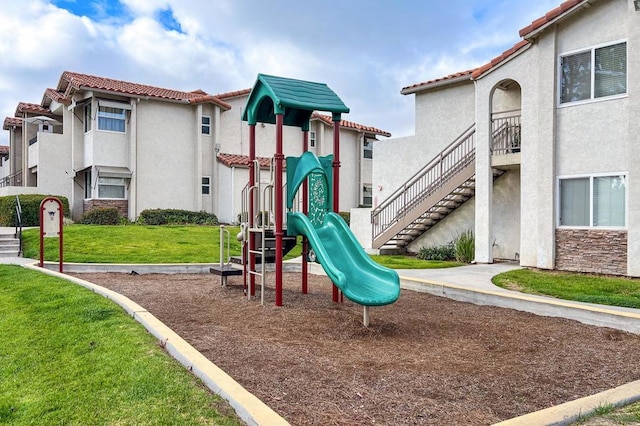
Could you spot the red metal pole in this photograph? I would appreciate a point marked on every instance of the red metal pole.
(61, 210)
(305, 210)
(336, 181)
(252, 182)
(41, 235)
(279, 157)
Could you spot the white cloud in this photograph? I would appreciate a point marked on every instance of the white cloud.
(365, 50)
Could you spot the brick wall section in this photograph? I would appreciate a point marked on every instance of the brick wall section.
(121, 205)
(588, 250)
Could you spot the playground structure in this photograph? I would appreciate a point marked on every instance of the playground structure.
(326, 237)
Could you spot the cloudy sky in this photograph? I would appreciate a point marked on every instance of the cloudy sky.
(365, 50)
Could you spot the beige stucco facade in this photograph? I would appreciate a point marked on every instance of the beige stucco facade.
(160, 155)
(516, 215)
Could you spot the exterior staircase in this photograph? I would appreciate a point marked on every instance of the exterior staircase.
(9, 244)
(443, 185)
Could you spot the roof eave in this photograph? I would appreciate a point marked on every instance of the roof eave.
(531, 34)
(481, 73)
(446, 82)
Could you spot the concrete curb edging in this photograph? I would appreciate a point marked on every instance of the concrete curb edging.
(569, 412)
(249, 408)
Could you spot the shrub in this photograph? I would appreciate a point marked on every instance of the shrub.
(346, 216)
(30, 204)
(443, 252)
(176, 217)
(101, 216)
(465, 245)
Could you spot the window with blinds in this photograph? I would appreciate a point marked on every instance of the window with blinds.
(595, 73)
(594, 201)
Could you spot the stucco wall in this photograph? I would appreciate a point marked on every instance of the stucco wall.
(506, 220)
(167, 176)
(633, 153)
(54, 165)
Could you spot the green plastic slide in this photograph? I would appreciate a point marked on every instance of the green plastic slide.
(359, 278)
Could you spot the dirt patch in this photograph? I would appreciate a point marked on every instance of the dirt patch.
(423, 360)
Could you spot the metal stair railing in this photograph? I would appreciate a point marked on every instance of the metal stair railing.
(18, 230)
(451, 161)
(14, 179)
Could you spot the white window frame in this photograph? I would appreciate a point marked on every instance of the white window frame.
(591, 203)
(121, 183)
(312, 139)
(206, 126)
(592, 99)
(122, 117)
(206, 185)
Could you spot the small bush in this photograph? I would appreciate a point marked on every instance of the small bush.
(101, 216)
(443, 252)
(465, 245)
(176, 217)
(346, 216)
(30, 209)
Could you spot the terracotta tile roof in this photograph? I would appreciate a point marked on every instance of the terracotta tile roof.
(24, 107)
(233, 94)
(242, 160)
(11, 122)
(72, 81)
(350, 125)
(551, 16)
(4, 150)
(463, 75)
(53, 95)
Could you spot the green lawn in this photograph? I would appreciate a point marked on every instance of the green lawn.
(164, 244)
(605, 290)
(69, 356)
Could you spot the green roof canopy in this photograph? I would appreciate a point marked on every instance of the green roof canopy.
(294, 99)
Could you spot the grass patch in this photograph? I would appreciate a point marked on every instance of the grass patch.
(69, 356)
(412, 262)
(128, 244)
(136, 244)
(604, 290)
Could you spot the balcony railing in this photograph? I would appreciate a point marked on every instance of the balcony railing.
(505, 132)
(14, 179)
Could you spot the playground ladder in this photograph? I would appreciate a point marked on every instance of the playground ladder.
(263, 202)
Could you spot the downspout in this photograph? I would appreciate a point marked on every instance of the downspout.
(359, 155)
(198, 177)
(215, 187)
(25, 151)
(133, 160)
(233, 193)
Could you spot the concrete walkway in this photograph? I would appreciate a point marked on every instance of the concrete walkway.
(467, 283)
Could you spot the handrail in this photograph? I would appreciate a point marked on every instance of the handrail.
(506, 132)
(456, 156)
(14, 179)
(18, 230)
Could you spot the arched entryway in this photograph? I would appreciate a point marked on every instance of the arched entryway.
(506, 151)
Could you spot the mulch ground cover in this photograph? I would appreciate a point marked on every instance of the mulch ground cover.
(422, 360)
